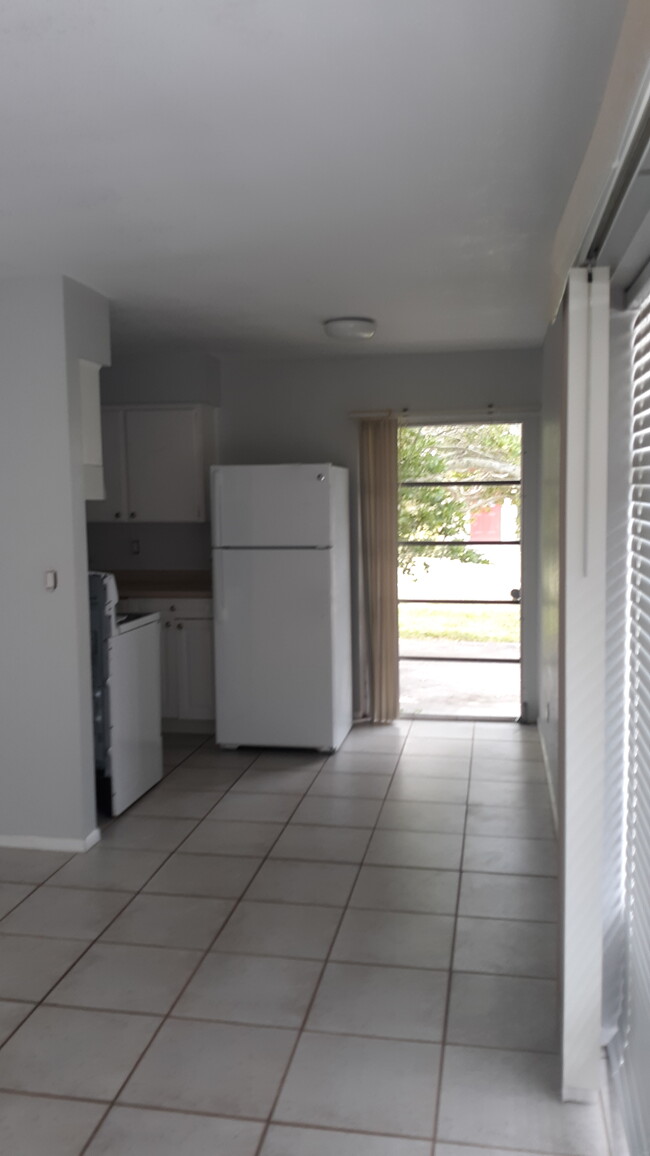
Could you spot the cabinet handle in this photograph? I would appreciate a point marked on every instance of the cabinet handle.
(132, 514)
(168, 624)
(172, 607)
(118, 515)
(179, 625)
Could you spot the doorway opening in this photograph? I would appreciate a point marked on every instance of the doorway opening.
(459, 570)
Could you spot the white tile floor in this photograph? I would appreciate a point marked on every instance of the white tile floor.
(277, 955)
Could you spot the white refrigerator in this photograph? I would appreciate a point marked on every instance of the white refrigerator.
(281, 575)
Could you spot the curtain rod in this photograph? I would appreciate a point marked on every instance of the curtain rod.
(369, 415)
(440, 417)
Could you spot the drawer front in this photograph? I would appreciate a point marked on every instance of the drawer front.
(190, 607)
(170, 607)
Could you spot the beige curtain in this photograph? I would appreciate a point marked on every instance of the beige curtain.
(378, 454)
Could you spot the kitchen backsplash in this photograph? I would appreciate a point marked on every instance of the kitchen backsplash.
(149, 546)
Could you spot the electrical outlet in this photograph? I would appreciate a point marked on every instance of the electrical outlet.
(135, 545)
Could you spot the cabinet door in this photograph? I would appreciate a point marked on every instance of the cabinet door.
(164, 465)
(169, 665)
(195, 654)
(113, 508)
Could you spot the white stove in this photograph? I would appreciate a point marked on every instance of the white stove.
(126, 698)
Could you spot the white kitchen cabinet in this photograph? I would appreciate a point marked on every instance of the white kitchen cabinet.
(114, 460)
(168, 670)
(195, 658)
(156, 463)
(165, 465)
(187, 657)
(91, 430)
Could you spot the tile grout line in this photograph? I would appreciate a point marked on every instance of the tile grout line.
(445, 1025)
(461, 1146)
(97, 938)
(346, 907)
(553, 979)
(204, 954)
(308, 1010)
(336, 1033)
(510, 975)
(290, 902)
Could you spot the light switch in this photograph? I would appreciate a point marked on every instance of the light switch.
(51, 579)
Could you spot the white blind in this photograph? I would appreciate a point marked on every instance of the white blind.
(636, 1011)
(619, 463)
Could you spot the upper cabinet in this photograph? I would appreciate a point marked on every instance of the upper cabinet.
(156, 463)
(91, 430)
(114, 459)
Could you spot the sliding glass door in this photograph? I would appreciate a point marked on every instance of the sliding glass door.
(459, 576)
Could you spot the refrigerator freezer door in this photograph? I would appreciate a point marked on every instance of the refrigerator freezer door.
(267, 506)
(273, 648)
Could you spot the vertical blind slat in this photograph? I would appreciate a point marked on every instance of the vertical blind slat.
(636, 1004)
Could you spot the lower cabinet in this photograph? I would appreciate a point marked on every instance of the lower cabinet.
(187, 658)
(189, 668)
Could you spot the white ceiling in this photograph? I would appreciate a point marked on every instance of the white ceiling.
(230, 172)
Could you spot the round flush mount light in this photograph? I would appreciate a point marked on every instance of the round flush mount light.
(350, 328)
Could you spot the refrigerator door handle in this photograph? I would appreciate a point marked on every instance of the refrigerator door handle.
(220, 612)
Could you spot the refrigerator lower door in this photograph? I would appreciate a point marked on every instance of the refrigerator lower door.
(273, 648)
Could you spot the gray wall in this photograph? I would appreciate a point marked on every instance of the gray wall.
(160, 545)
(300, 410)
(554, 378)
(47, 779)
(161, 377)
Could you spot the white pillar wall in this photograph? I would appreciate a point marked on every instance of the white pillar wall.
(583, 564)
(47, 796)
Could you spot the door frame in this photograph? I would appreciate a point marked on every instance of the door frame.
(529, 419)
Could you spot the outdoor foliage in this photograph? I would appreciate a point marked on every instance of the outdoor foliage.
(472, 453)
(486, 624)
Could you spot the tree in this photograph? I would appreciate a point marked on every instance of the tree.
(451, 453)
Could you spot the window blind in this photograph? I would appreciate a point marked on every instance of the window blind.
(636, 1003)
(619, 464)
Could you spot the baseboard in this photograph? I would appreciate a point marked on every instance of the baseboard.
(43, 843)
(578, 1095)
(549, 781)
(613, 1101)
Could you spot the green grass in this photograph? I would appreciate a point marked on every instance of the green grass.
(460, 623)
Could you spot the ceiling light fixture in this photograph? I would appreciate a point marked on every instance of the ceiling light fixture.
(350, 328)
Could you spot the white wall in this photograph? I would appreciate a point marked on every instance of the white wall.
(582, 675)
(300, 410)
(575, 413)
(553, 388)
(47, 779)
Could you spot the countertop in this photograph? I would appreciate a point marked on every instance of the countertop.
(164, 583)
